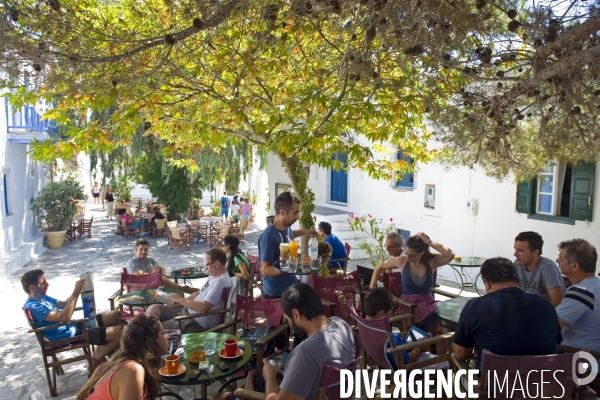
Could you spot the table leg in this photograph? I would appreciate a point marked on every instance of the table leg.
(175, 279)
(458, 272)
(203, 391)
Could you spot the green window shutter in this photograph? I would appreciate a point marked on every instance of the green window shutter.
(525, 193)
(582, 191)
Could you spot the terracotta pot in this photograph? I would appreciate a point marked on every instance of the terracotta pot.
(56, 240)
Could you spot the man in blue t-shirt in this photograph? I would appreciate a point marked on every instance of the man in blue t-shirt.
(579, 311)
(339, 250)
(507, 321)
(287, 211)
(225, 205)
(46, 310)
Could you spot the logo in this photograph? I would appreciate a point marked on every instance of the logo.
(584, 362)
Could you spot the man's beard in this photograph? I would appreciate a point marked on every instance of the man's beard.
(300, 333)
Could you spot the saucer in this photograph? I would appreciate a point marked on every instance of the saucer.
(238, 353)
(163, 371)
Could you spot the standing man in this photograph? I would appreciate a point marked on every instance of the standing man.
(287, 211)
(507, 321)
(225, 205)
(579, 312)
(209, 298)
(103, 190)
(339, 250)
(142, 264)
(46, 310)
(537, 274)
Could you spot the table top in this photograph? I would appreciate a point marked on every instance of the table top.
(195, 342)
(146, 297)
(468, 262)
(178, 273)
(449, 310)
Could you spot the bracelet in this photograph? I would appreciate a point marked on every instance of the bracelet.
(428, 242)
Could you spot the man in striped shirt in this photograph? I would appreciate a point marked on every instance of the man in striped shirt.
(579, 311)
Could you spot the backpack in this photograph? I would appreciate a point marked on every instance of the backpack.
(224, 202)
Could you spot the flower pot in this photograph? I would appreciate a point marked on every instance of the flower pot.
(252, 218)
(56, 240)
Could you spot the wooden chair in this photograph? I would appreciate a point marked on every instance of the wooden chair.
(237, 232)
(171, 224)
(336, 292)
(595, 385)
(179, 238)
(224, 230)
(129, 230)
(158, 228)
(50, 349)
(86, 227)
(222, 313)
(131, 283)
(256, 275)
(516, 367)
(73, 229)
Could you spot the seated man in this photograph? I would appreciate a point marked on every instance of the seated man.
(209, 298)
(379, 303)
(579, 311)
(142, 264)
(507, 321)
(328, 341)
(46, 310)
(338, 248)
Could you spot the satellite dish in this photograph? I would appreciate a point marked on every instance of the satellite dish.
(41, 106)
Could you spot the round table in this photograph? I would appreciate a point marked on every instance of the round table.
(461, 270)
(143, 298)
(449, 311)
(178, 274)
(195, 342)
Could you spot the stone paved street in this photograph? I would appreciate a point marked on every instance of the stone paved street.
(105, 254)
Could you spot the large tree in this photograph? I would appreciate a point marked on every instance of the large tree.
(506, 84)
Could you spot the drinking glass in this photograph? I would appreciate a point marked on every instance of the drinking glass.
(210, 346)
(284, 264)
(316, 264)
(306, 268)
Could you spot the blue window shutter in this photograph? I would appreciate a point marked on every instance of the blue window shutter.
(406, 179)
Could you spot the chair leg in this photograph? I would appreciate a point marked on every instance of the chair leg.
(53, 389)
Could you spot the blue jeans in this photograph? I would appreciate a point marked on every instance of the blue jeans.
(225, 212)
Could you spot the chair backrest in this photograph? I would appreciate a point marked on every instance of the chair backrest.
(330, 377)
(150, 280)
(256, 261)
(160, 223)
(253, 261)
(224, 230)
(392, 281)
(258, 312)
(172, 224)
(374, 336)
(531, 367)
(348, 248)
(338, 290)
(175, 232)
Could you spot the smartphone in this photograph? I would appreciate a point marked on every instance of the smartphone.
(222, 366)
(195, 374)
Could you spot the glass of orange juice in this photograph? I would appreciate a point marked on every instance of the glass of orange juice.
(293, 249)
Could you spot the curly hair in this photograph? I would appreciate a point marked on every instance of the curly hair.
(138, 343)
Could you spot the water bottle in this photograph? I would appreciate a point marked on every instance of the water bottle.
(313, 250)
(211, 222)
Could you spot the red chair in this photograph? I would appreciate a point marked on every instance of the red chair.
(256, 277)
(348, 248)
(255, 313)
(132, 283)
(336, 291)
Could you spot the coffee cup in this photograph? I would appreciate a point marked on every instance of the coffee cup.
(230, 347)
(172, 363)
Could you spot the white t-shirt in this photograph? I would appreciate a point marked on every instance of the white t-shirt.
(235, 209)
(212, 291)
(96, 189)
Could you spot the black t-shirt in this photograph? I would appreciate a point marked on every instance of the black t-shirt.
(509, 322)
(109, 197)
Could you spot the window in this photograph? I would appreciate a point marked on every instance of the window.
(404, 179)
(405, 235)
(560, 193)
(6, 185)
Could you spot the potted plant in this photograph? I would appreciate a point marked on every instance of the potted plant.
(55, 207)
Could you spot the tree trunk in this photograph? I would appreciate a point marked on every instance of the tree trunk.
(298, 174)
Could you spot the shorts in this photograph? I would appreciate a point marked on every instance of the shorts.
(96, 194)
(224, 212)
(168, 313)
(235, 218)
(246, 217)
(96, 336)
(258, 383)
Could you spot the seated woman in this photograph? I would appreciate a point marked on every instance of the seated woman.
(237, 267)
(132, 371)
(417, 267)
(129, 222)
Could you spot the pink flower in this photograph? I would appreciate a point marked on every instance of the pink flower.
(391, 219)
(356, 218)
(351, 215)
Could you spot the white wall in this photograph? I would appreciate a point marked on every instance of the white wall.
(490, 233)
(19, 236)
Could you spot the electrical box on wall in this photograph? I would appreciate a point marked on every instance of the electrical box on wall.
(430, 195)
(472, 207)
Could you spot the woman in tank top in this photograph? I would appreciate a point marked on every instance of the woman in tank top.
(132, 371)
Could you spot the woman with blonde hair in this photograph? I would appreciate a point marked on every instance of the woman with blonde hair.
(132, 371)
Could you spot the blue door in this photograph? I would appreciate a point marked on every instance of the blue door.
(339, 180)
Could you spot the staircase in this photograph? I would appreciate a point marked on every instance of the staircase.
(339, 227)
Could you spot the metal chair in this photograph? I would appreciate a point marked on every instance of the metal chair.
(50, 349)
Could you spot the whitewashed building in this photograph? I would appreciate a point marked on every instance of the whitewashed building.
(22, 178)
(471, 213)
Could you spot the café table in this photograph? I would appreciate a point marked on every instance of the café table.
(143, 298)
(178, 274)
(195, 342)
(467, 279)
(449, 311)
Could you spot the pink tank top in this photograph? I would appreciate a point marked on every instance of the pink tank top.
(102, 391)
(246, 207)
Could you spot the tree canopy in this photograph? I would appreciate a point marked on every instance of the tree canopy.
(505, 84)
